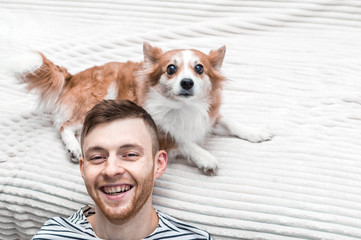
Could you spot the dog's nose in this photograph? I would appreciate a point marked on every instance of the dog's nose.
(187, 83)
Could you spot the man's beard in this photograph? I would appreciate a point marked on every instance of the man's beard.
(144, 190)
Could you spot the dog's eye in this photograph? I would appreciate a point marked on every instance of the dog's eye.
(199, 68)
(171, 69)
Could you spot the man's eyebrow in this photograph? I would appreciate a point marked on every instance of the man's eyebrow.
(95, 148)
(131, 146)
(122, 147)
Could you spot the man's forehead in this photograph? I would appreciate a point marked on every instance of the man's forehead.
(121, 123)
(120, 129)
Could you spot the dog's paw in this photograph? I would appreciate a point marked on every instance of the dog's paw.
(205, 161)
(202, 159)
(257, 135)
(227, 127)
(75, 154)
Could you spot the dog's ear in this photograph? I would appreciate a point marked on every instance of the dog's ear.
(216, 57)
(151, 54)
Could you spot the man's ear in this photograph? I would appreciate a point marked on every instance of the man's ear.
(216, 57)
(151, 54)
(161, 160)
(81, 166)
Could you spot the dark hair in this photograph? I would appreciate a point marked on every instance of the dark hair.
(111, 110)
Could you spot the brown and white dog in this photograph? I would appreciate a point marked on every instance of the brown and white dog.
(181, 89)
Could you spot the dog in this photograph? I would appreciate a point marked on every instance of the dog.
(181, 89)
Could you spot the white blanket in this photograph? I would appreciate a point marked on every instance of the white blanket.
(292, 66)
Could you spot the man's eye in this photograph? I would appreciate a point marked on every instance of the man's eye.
(97, 158)
(131, 156)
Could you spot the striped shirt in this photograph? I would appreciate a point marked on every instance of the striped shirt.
(78, 227)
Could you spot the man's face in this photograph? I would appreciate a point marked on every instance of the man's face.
(118, 168)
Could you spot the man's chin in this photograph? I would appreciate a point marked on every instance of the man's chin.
(117, 215)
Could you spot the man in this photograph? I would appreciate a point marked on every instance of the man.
(120, 162)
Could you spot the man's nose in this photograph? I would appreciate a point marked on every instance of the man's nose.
(113, 167)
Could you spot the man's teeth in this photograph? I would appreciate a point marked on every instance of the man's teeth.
(116, 189)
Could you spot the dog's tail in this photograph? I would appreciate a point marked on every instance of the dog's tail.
(44, 78)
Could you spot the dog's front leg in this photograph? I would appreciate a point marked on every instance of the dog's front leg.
(228, 127)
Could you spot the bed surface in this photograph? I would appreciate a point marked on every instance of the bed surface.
(293, 67)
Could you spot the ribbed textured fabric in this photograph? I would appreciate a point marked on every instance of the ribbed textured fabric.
(292, 66)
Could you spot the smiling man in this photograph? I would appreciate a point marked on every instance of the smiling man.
(120, 162)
